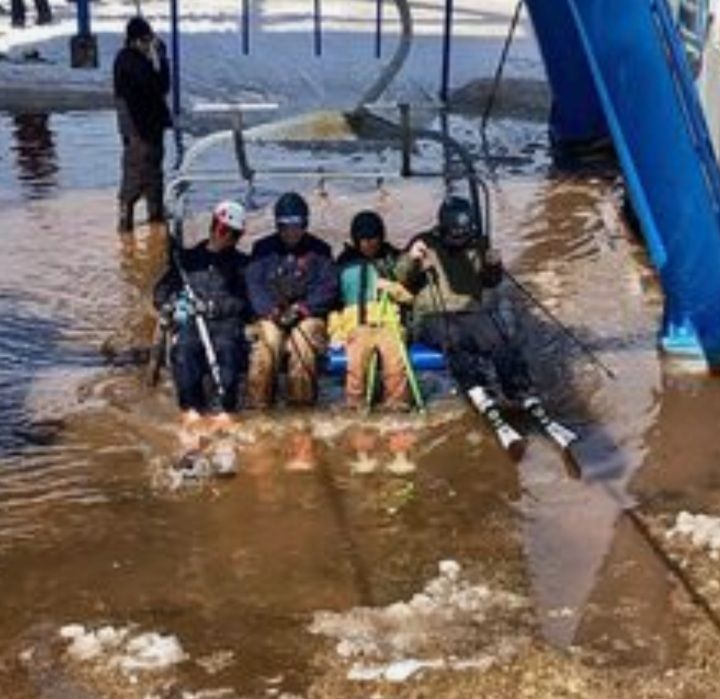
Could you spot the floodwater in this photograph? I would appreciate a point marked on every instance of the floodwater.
(327, 512)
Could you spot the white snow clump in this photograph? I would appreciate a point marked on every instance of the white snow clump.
(451, 624)
(122, 647)
(703, 531)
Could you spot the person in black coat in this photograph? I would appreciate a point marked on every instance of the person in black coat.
(215, 271)
(141, 81)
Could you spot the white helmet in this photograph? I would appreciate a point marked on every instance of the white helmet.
(230, 214)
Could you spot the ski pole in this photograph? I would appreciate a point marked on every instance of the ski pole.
(569, 333)
(394, 328)
(371, 380)
(405, 356)
(438, 301)
(202, 329)
(373, 366)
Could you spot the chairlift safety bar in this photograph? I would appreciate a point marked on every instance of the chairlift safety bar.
(185, 177)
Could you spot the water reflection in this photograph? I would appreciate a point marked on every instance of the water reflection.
(573, 243)
(35, 154)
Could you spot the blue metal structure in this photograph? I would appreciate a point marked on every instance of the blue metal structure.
(83, 17)
(624, 63)
(577, 114)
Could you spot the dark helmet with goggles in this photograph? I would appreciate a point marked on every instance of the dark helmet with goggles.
(456, 222)
(291, 210)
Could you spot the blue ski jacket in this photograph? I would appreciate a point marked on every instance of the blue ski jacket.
(279, 277)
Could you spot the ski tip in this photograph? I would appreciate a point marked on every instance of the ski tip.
(516, 449)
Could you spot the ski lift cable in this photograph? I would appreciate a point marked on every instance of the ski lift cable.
(498, 75)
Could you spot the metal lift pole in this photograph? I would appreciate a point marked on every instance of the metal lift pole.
(175, 57)
(378, 27)
(317, 26)
(175, 79)
(447, 42)
(245, 22)
(83, 46)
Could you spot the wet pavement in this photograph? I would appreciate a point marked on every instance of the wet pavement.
(330, 512)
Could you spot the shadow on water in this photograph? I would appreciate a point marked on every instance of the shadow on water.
(640, 575)
(572, 247)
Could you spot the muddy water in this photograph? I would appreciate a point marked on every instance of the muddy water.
(326, 512)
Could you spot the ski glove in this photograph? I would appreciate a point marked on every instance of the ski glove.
(184, 308)
(493, 268)
(290, 317)
(204, 308)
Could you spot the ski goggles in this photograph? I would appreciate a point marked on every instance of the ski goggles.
(291, 221)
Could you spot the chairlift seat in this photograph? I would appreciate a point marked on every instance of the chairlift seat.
(423, 358)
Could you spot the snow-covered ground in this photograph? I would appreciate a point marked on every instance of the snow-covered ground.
(282, 65)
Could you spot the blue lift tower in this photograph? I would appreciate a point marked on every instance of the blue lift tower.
(621, 69)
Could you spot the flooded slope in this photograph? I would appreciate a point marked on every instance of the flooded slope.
(327, 512)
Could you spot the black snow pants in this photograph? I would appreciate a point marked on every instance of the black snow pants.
(479, 350)
(191, 371)
(142, 174)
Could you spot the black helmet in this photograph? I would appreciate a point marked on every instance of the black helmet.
(291, 210)
(456, 223)
(137, 28)
(367, 224)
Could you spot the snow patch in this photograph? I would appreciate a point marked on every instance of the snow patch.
(451, 624)
(122, 648)
(702, 530)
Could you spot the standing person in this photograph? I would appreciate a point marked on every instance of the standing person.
(458, 309)
(292, 286)
(214, 270)
(370, 321)
(141, 79)
(17, 11)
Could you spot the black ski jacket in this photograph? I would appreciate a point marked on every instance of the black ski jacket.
(140, 92)
(217, 278)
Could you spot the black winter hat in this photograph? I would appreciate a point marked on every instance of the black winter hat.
(365, 225)
(138, 28)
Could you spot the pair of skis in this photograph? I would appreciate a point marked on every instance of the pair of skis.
(508, 437)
